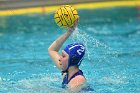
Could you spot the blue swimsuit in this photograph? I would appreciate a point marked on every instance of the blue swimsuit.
(66, 81)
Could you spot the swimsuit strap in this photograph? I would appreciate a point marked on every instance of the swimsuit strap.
(76, 74)
(66, 81)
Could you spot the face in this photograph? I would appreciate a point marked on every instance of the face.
(64, 60)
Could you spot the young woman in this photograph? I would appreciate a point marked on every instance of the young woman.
(70, 59)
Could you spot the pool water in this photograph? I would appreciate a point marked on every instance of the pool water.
(111, 64)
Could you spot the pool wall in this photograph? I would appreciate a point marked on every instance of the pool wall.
(90, 4)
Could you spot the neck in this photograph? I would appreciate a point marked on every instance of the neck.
(72, 70)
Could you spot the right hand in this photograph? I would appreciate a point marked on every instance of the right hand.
(71, 29)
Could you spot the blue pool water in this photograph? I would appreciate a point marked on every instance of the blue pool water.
(111, 64)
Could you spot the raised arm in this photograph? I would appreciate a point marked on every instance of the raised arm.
(56, 45)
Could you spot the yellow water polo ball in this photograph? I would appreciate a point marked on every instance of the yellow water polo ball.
(65, 16)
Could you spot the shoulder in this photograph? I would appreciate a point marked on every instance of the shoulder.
(77, 82)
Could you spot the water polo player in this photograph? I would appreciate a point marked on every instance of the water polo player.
(69, 61)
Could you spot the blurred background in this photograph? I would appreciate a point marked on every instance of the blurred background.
(110, 30)
(13, 4)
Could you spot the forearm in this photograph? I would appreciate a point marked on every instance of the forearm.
(56, 45)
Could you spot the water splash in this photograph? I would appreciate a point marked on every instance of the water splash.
(36, 84)
(89, 41)
(98, 52)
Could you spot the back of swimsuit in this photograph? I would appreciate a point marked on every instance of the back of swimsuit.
(66, 81)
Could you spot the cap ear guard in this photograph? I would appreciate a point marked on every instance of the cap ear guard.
(74, 60)
(76, 52)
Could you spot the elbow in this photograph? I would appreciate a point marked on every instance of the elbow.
(49, 50)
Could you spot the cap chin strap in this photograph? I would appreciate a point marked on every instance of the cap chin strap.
(66, 71)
